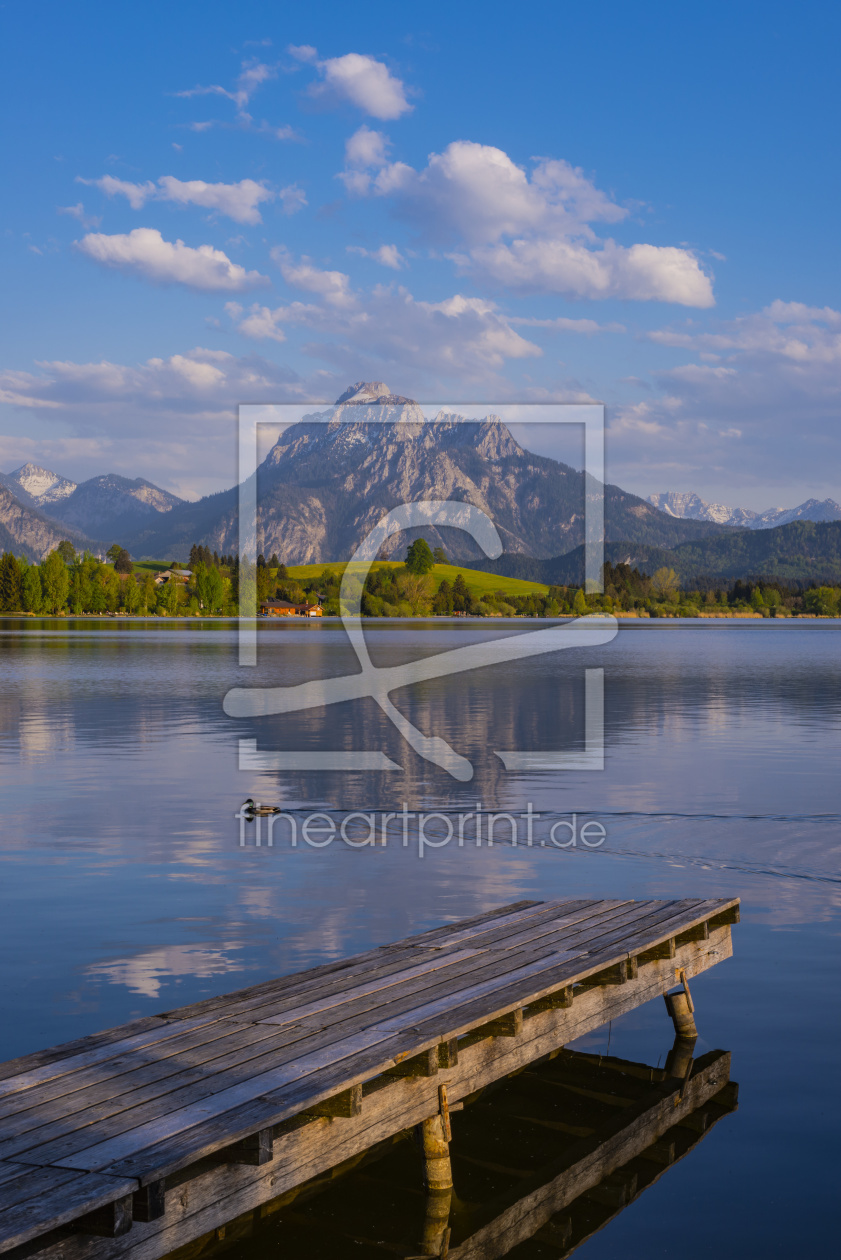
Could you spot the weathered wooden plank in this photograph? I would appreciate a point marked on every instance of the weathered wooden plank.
(41, 1058)
(48, 1207)
(220, 1195)
(338, 970)
(118, 1077)
(155, 1036)
(10, 1170)
(370, 988)
(388, 1037)
(56, 1144)
(479, 1065)
(484, 934)
(446, 931)
(38, 1132)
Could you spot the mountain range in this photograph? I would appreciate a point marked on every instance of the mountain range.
(330, 477)
(691, 507)
(95, 513)
(804, 551)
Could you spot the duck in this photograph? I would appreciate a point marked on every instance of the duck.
(255, 810)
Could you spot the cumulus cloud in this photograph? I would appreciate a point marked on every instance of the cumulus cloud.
(529, 232)
(607, 270)
(753, 382)
(332, 286)
(356, 79)
(238, 201)
(145, 253)
(461, 338)
(166, 418)
(386, 255)
(367, 148)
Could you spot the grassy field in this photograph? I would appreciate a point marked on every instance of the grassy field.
(150, 566)
(478, 582)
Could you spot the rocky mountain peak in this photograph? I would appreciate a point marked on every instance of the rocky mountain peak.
(366, 392)
(41, 484)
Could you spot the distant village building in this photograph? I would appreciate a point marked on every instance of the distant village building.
(181, 575)
(283, 608)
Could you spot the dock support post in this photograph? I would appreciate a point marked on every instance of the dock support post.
(437, 1169)
(681, 1008)
(680, 1058)
(436, 1221)
(434, 1137)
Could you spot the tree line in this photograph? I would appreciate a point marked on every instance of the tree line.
(69, 583)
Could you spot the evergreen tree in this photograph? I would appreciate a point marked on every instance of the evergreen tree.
(461, 594)
(442, 603)
(11, 585)
(66, 550)
(122, 563)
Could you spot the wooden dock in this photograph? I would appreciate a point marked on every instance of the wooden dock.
(141, 1139)
(551, 1154)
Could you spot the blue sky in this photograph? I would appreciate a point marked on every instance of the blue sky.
(211, 203)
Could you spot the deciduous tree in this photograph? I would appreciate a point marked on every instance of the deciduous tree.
(56, 582)
(419, 558)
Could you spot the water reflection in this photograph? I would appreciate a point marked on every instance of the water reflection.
(541, 1162)
(124, 890)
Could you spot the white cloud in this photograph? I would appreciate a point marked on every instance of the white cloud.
(474, 193)
(386, 255)
(292, 199)
(357, 79)
(366, 148)
(168, 419)
(145, 253)
(333, 286)
(253, 74)
(78, 212)
(607, 270)
(769, 382)
(585, 327)
(461, 338)
(530, 232)
(238, 201)
(136, 194)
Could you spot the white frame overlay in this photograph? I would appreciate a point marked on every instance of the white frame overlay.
(589, 631)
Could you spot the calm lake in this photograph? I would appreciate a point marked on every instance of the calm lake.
(126, 890)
